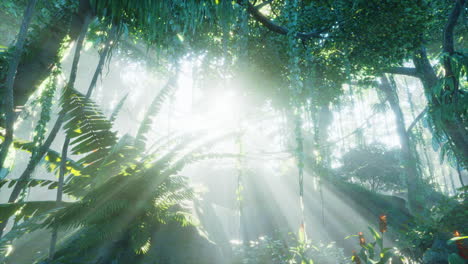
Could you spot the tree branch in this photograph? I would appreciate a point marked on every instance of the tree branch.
(416, 120)
(257, 15)
(403, 71)
(263, 4)
(450, 26)
(354, 131)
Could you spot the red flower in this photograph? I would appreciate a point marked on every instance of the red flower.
(462, 249)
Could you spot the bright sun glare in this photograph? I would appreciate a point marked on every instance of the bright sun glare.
(192, 110)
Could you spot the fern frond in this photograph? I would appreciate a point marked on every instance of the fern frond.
(10, 183)
(153, 110)
(52, 157)
(25, 210)
(117, 109)
(89, 130)
(121, 156)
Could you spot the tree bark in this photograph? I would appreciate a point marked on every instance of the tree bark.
(454, 128)
(43, 54)
(10, 79)
(44, 50)
(448, 45)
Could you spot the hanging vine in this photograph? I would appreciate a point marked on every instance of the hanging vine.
(242, 44)
(295, 87)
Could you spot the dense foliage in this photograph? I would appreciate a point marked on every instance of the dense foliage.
(315, 66)
(373, 166)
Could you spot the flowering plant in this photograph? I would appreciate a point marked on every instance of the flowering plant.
(374, 252)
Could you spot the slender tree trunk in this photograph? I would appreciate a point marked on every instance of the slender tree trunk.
(66, 143)
(34, 161)
(325, 118)
(460, 176)
(102, 59)
(452, 183)
(63, 163)
(10, 79)
(322, 124)
(70, 85)
(342, 133)
(444, 177)
(419, 134)
(408, 158)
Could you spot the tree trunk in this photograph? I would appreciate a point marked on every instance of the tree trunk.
(419, 134)
(325, 119)
(43, 51)
(10, 79)
(407, 155)
(102, 59)
(66, 144)
(444, 177)
(452, 183)
(34, 161)
(63, 163)
(460, 176)
(454, 128)
(42, 54)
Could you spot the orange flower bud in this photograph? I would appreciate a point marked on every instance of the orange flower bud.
(362, 240)
(383, 223)
(462, 249)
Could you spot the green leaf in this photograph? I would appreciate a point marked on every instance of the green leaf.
(375, 233)
(28, 209)
(455, 259)
(301, 235)
(452, 240)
